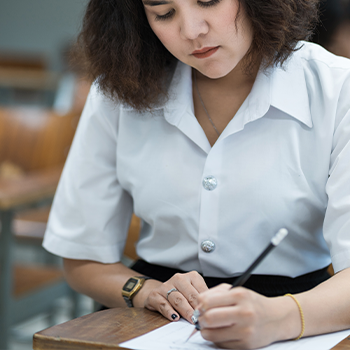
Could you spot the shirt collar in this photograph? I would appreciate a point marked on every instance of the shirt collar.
(180, 94)
(283, 88)
(288, 90)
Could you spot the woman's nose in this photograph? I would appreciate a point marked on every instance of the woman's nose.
(193, 26)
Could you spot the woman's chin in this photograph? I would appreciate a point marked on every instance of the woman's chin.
(215, 72)
(212, 74)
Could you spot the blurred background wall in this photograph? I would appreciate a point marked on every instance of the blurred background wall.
(41, 100)
(40, 27)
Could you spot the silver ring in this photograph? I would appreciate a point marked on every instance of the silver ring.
(170, 291)
(194, 319)
(196, 313)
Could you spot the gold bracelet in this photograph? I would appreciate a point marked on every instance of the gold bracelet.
(301, 316)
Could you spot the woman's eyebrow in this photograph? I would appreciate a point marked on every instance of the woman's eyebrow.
(156, 2)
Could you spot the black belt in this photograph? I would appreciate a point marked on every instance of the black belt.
(268, 285)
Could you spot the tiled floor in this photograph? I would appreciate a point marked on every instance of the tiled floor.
(22, 333)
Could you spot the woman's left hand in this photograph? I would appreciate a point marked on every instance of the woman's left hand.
(239, 318)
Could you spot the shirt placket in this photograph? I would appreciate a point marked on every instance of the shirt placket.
(211, 186)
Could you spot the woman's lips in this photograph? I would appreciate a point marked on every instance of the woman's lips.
(205, 52)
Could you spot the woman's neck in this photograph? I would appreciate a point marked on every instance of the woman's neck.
(216, 101)
(234, 81)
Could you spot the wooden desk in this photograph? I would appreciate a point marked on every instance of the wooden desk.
(106, 329)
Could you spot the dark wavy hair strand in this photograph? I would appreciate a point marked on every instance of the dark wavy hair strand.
(117, 47)
(278, 26)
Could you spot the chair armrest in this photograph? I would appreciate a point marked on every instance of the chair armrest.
(32, 188)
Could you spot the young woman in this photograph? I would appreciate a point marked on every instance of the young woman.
(217, 126)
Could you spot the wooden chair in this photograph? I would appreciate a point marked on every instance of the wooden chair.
(133, 235)
(26, 79)
(23, 60)
(34, 144)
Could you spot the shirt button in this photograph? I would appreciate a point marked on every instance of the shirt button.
(210, 183)
(208, 246)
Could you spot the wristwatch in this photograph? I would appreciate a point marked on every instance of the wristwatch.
(131, 288)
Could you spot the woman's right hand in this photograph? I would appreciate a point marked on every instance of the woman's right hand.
(182, 302)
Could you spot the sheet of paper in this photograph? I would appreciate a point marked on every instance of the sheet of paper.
(173, 337)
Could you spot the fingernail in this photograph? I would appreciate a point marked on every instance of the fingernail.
(173, 316)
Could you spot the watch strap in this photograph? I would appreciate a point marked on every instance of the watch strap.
(128, 301)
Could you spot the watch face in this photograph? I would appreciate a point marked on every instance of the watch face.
(130, 284)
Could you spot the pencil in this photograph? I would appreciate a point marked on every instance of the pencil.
(275, 241)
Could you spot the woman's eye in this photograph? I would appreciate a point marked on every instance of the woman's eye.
(170, 14)
(166, 16)
(208, 3)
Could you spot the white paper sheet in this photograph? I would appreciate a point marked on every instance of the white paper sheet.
(173, 336)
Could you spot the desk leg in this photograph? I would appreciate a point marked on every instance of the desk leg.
(6, 273)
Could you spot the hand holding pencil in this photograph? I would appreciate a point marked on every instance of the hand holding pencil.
(226, 314)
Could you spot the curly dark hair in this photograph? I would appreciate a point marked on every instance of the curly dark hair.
(118, 47)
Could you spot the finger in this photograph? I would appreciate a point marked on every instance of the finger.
(233, 345)
(156, 302)
(180, 303)
(231, 338)
(219, 317)
(189, 292)
(223, 296)
(221, 335)
(190, 285)
(198, 281)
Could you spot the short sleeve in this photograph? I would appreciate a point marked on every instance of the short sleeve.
(91, 212)
(337, 218)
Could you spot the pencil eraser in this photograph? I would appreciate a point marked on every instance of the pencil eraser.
(279, 236)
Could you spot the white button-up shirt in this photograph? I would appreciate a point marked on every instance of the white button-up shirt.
(282, 161)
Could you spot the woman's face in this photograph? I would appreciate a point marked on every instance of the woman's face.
(203, 34)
